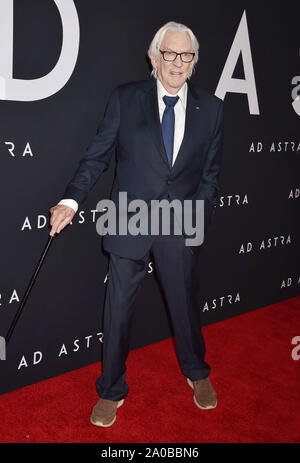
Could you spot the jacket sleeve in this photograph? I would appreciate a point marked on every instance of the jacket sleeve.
(209, 184)
(98, 154)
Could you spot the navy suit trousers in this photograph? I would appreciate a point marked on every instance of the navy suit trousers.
(175, 266)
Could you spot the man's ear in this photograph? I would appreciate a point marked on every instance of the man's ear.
(192, 71)
(153, 62)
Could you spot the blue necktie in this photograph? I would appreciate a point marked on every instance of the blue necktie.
(167, 125)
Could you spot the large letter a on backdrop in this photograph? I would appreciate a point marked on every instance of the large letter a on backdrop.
(43, 87)
(227, 83)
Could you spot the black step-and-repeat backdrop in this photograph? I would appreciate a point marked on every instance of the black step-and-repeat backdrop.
(59, 61)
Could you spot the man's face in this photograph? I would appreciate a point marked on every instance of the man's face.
(173, 74)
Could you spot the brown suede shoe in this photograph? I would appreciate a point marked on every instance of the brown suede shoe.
(205, 396)
(105, 412)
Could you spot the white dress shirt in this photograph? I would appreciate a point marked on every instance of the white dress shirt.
(179, 110)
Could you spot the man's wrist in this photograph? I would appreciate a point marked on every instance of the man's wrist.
(69, 202)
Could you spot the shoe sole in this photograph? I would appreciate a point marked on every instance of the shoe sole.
(98, 423)
(209, 407)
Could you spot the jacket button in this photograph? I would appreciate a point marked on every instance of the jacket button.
(169, 182)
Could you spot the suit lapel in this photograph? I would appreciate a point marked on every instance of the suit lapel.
(150, 106)
(191, 126)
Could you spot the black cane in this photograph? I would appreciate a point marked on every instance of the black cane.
(29, 288)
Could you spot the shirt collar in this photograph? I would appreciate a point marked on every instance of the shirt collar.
(182, 93)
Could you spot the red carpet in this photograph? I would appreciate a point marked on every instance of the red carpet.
(255, 377)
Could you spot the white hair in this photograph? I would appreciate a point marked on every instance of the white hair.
(159, 36)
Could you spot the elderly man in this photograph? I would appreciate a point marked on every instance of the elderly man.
(168, 136)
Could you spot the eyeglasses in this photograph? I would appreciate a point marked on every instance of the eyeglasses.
(186, 57)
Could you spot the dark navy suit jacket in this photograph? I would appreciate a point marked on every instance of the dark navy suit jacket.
(131, 123)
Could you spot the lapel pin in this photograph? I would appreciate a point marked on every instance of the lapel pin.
(197, 107)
